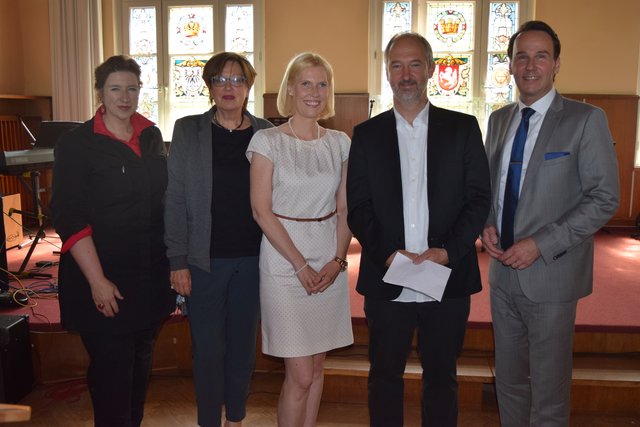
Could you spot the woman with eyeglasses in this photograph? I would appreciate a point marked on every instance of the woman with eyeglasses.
(213, 242)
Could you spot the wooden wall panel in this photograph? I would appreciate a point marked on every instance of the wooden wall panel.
(622, 113)
(351, 109)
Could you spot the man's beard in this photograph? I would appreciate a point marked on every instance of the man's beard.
(410, 93)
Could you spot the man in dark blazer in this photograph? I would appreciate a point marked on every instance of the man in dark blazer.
(542, 253)
(418, 184)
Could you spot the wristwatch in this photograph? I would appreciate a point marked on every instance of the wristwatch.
(342, 263)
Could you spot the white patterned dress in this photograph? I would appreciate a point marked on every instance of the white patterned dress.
(306, 176)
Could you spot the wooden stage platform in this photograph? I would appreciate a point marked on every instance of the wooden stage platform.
(606, 375)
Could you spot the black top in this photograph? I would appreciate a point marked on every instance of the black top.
(234, 233)
(100, 182)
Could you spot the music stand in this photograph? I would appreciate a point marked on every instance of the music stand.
(51, 131)
(48, 135)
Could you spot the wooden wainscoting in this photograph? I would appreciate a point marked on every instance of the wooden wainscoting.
(622, 113)
(351, 109)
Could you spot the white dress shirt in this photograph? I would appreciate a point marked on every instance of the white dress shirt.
(535, 122)
(412, 143)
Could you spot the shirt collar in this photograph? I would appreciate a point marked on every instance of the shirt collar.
(541, 105)
(138, 122)
(421, 118)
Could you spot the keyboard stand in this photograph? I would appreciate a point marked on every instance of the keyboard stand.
(21, 273)
(37, 205)
(37, 214)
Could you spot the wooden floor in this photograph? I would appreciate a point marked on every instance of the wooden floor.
(606, 388)
(171, 403)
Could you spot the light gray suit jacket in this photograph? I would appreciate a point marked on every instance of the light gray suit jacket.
(570, 191)
(188, 198)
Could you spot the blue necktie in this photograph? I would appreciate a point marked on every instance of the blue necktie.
(512, 188)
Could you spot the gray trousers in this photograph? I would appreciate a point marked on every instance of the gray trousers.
(534, 356)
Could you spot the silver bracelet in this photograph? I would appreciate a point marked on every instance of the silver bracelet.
(306, 264)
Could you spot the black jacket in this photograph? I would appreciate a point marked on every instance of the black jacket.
(458, 191)
(101, 182)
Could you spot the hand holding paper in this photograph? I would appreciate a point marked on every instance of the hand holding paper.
(428, 277)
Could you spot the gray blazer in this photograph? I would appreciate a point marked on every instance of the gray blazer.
(570, 191)
(188, 197)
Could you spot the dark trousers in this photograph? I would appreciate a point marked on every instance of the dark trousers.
(441, 327)
(118, 375)
(224, 308)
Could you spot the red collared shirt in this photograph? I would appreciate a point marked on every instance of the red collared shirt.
(138, 121)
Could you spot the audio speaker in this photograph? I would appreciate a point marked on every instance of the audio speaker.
(16, 369)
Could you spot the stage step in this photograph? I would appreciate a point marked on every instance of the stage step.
(353, 361)
(601, 383)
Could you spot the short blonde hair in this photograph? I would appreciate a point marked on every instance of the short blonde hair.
(296, 65)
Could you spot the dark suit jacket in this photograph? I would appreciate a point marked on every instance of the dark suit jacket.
(458, 192)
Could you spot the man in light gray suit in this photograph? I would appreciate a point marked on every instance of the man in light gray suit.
(555, 183)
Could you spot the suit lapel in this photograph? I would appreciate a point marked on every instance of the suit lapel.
(436, 133)
(551, 120)
(501, 140)
(390, 154)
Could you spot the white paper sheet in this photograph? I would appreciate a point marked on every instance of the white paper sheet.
(428, 277)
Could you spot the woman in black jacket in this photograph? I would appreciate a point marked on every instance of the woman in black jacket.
(109, 181)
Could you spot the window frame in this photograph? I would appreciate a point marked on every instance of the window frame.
(418, 24)
(121, 11)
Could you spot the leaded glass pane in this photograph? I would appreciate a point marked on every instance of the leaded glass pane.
(396, 19)
(503, 21)
(188, 93)
(452, 80)
(190, 30)
(239, 28)
(186, 78)
(252, 102)
(450, 26)
(143, 39)
(148, 102)
(499, 84)
(239, 37)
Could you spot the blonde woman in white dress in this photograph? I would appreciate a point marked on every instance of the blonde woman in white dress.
(298, 196)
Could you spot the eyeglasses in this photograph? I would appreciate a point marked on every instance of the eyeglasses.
(234, 80)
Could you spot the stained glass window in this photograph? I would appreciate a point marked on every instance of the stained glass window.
(143, 48)
(172, 40)
(397, 19)
(239, 29)
(143, 40)
(148, 102)
(239, 37)
(190, 29)
(450, 30)
(470, 51)
(499, 85)
(190, 46)
(452, 79)
(450, 26)
(503, 18)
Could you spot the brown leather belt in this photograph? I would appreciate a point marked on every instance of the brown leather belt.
(307, 219)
